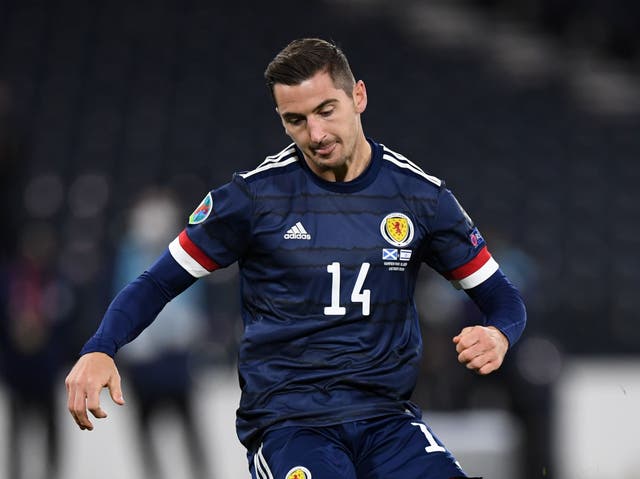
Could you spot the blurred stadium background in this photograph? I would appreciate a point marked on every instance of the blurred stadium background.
(529, 109)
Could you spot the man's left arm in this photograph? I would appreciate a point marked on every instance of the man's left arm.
(482, 348)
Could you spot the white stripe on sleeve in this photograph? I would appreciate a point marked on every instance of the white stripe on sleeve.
(187, 262)
(474, 279)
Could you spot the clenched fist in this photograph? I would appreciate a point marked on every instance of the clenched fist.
(481, 348)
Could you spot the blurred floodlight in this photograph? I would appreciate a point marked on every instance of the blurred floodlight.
(539, 360)
(88, 195)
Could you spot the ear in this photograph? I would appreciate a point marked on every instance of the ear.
(360, 96)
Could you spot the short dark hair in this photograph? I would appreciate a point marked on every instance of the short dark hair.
(303, 58)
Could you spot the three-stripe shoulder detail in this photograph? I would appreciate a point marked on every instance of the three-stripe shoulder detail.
(284, 158)
(403, 162)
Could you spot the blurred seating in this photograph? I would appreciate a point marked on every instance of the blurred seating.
(145, 92)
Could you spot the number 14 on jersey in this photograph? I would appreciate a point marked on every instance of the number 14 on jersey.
(358, 295)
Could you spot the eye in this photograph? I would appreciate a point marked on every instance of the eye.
(326, 113)
(294, 121)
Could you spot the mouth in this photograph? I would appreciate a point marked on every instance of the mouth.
(325, 150)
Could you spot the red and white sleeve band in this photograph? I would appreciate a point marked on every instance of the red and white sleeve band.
(474, 272)
(188, 255)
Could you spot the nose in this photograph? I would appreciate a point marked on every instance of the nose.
(316, 132)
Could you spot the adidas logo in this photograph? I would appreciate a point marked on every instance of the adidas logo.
(297, 232)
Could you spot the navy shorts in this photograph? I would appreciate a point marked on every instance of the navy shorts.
(390, 447)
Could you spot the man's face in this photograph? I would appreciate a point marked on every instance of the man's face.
(322, 120)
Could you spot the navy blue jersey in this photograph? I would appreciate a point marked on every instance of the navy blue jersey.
(328, 272)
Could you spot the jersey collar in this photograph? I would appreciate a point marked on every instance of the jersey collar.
(357, 184)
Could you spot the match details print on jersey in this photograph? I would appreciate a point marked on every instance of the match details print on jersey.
(398, 230)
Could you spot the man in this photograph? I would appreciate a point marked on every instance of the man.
(329, 235)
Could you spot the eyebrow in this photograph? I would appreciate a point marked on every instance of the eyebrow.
(293, 115)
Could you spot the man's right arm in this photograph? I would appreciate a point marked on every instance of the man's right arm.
(133, 309)
(138, 304)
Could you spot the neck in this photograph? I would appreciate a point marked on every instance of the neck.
(353, 166)
(360, 161)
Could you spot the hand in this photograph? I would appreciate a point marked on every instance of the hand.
(481, 349)
(91, 373)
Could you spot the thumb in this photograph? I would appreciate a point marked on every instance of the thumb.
(465, 330)
(115, 390)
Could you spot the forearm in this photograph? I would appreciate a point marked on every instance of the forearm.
(138, 304)
(501, 303)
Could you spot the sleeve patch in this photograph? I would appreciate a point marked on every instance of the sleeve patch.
(203, 210)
